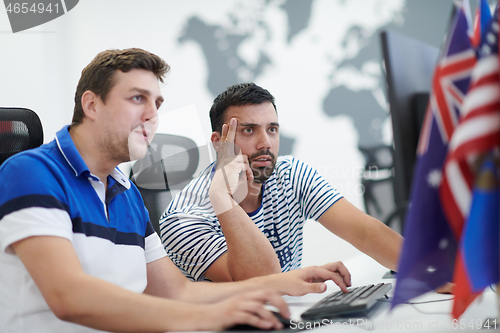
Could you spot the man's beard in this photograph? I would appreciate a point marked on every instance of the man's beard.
(261, 174)
(124, 149)
(115, 148)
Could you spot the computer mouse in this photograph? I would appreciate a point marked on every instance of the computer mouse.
(284, 321)
(245, 328)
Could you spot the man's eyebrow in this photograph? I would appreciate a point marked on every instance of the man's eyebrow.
(257, 125)
(248, 124)
(147, 93)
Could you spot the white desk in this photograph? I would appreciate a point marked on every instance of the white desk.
(430, 317)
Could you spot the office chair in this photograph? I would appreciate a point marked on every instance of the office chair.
(378, 182)
(169, 165)
(20, 129)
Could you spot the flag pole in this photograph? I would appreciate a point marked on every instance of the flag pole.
(498, 304)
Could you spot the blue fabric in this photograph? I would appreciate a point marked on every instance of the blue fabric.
(484, 16)
(480, 240)
(53, 176)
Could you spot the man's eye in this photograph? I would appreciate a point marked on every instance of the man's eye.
(137, 98)
(247, 130)
(273, 130)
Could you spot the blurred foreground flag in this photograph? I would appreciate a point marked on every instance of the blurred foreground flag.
(474, 217)
(479, 249)
(428, 255)
(481, 20)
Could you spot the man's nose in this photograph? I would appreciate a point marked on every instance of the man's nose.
(150, 112)
(264, 141)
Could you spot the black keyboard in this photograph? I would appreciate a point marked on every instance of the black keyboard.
(358, 300)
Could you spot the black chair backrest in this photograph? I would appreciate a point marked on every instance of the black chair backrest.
(171, 159)
(20, 129)
(170, 163)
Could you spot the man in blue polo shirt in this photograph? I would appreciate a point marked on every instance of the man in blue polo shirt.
(77, 249)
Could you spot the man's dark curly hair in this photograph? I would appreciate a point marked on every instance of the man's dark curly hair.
(237, 95)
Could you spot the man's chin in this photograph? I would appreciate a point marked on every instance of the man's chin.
(260, 175)
(137, 148)
(137, 153)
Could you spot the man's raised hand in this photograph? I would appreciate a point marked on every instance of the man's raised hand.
(230, 182)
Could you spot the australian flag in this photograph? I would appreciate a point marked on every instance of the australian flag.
(428, 255)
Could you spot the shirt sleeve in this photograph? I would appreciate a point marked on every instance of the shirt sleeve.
(34, 221)
(153, 248)
(315, 194)
(31, 203)
(192, 242)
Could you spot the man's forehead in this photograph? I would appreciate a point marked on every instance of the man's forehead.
(137, 79)
(254, 113)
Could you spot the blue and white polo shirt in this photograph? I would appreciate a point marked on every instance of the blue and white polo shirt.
(49, 191)
(295, 192)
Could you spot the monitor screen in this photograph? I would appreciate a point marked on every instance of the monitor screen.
(409, 66)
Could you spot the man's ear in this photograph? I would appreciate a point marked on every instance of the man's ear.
(89, 104)
(215, 138)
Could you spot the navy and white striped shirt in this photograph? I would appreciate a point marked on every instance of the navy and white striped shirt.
(295, 192)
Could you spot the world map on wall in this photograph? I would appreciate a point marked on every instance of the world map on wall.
(366, 105)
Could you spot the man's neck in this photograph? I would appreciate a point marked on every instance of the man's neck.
(86, 145)
(253, 199)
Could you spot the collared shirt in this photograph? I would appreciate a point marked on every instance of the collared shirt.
(295, 192)
(49, 191)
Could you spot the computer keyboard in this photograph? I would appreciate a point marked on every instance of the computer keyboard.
(358, 300)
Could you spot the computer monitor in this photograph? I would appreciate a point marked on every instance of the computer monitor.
(409, 66)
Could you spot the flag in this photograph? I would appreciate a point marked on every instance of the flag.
(479, 250)
(481, 20)
(427, 258)
(477, 134)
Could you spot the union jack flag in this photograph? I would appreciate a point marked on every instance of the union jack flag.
(428, 255)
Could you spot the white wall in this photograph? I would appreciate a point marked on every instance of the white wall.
(40, 68)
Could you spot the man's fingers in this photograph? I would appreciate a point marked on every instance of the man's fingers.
(339, 268)
(339, 281)
(227, 146)
(278, 301)
(228, 149)
(223, 135)
(317, 274)
(273, 298)
(233, 123)
(258, 314)
(248, 170)
(258, 309)
(317, 287)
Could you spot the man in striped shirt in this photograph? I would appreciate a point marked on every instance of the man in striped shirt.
(244, 216)
(77, 250)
